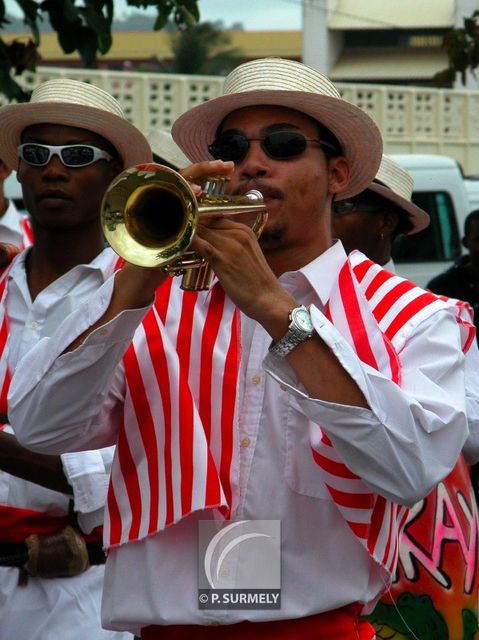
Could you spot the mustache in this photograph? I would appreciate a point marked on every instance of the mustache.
(267, 190)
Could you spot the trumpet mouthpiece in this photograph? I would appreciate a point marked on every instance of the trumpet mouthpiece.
(254, 195)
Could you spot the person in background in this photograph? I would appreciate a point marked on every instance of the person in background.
(274, 398)
(434, 593)
(70, 141)
(375, 217)
(461, 281)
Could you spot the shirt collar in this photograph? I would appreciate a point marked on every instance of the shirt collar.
(319, 274)
(102, 263)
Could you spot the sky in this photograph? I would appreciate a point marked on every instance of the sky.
(261, 15)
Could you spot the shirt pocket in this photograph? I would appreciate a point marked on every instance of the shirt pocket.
(302, 473)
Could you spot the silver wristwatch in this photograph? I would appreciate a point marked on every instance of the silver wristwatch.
(300, 329)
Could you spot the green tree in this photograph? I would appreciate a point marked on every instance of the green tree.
(83, 26)
(203, 49)
(462, 47)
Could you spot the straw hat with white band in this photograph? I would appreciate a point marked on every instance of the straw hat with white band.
(163, 146)
(286, 83)
(74, 104)
(395, 184)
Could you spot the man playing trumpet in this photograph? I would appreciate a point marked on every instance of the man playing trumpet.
(305, 388)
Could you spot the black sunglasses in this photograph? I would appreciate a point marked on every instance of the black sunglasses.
(71, 155)
(279, 145)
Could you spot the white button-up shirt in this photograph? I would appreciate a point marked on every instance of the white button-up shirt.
(401, 446)
(87, 472)
(66, 609)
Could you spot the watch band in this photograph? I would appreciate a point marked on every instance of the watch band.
(300, 329)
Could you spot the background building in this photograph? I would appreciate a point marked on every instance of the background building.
(381, 54)
(381, 41)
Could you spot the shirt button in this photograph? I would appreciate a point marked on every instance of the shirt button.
(34, 324)
(283, 387)
(256, 379)
(245, 442)
(104, 331)
(214, 623)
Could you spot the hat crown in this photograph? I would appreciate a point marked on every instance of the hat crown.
(393, 176)
(278, 74)
(74, 92)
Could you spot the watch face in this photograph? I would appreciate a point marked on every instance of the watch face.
(303, 319)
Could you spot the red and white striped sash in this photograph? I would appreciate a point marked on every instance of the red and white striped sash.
(369, 298)
(178, 450)
(175, 456)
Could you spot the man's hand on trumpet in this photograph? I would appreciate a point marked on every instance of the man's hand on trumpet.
(197, 174)
(138, 284)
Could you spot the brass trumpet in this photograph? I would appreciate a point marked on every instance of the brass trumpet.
(149, 216)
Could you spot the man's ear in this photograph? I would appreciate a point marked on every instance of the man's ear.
(339, 174)
(391, 221)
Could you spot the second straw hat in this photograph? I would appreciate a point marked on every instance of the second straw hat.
(164, 147)
(75, 104)
(395, 184)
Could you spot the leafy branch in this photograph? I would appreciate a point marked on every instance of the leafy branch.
(462, 47)
(85, 28)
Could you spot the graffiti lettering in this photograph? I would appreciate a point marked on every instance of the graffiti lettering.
(449, 512)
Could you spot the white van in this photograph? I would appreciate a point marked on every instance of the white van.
(472, 187)
(439, 189)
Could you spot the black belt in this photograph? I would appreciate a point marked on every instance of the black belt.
(15, 554)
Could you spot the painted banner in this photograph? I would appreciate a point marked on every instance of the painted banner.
(436, 589)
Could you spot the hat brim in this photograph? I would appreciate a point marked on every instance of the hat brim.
(357, 133)
(130, 143)
(418, 218)
(164, 147)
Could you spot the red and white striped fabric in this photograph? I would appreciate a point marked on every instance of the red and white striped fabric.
(175, 456)
(27, 232)
(367, 298)
(177, 453)
(5, 376)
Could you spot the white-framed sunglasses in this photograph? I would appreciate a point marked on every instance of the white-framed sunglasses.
(71, 155)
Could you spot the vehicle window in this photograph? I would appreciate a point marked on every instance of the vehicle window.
(440, 241)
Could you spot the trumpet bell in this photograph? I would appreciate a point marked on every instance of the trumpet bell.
(149, 215)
